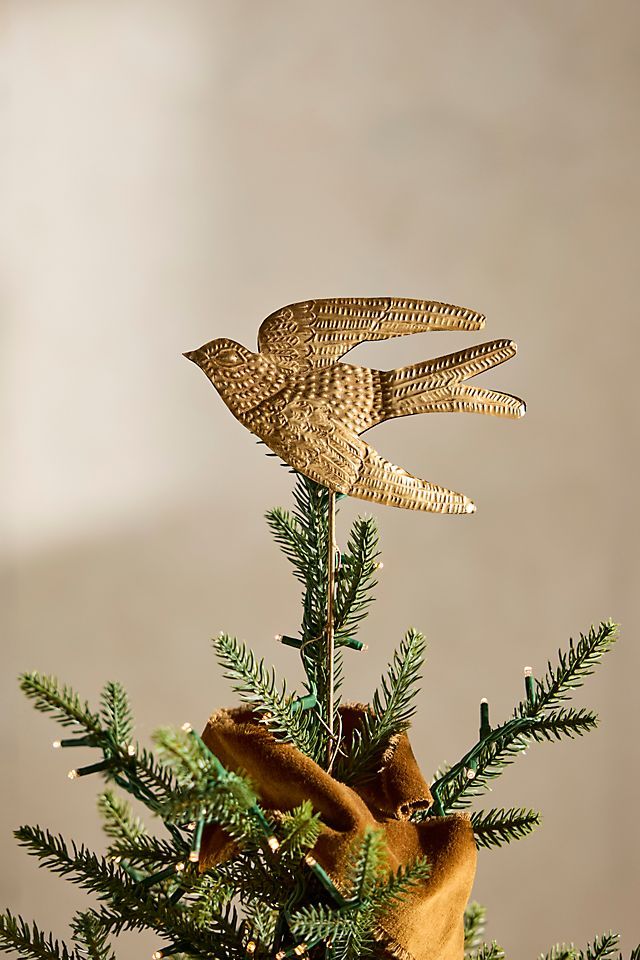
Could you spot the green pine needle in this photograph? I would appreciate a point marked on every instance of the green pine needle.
(562, 951)
(91, 937)
(542, 718)
(368, 857)
(118, 821)
(494, 828)
(27, 940)
(572, 669)
(62, 702)
(602, 947)
(299, 829)
(392, 707)
(116, 713)
(356, 578)
(475, 917)
(257, 686)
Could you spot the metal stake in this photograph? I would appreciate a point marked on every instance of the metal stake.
(330, 648)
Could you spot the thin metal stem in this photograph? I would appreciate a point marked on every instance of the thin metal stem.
(330, 645)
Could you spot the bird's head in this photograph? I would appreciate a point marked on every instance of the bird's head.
(241, 377)
(221, 357)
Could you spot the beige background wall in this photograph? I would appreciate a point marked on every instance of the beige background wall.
(173, 171)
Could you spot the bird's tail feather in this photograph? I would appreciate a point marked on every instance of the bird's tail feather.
(452, 368)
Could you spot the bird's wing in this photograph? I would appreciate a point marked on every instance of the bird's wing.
(316, 333)
(319, 445)
(313, 441)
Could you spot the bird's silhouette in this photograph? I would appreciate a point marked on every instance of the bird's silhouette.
(311, 409)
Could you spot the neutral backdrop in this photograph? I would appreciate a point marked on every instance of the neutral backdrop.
(174, 171)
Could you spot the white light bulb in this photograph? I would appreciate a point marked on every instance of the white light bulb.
(56, 744)
(528, 671)
(186, 727)
(73, 774)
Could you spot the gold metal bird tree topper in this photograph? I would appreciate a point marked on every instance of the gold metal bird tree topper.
(311, 409)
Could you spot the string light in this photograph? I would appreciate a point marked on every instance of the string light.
(251, 948)
(186, 727)
(56, 744)
(288, 641)
(378, 566)
(131, 750)
(180, 867)
(274, 844)
(304, 703)
(73, 774)
(529, 684)
(470, 773)
(485, 726)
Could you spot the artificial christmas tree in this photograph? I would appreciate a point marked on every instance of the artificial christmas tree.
(299, 825)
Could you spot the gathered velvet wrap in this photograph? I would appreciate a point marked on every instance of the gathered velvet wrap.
(428, 923)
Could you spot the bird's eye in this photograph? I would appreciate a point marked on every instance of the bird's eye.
(229, 357)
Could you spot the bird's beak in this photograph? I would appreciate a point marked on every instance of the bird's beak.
(192, 355)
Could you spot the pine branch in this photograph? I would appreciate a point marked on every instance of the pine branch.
(368, 857)
(17, 936)
(116, 713)
(152, 853)
(562, 951)
(350, 931)
(208, 791)
(489, 951)
(62, 702)
(299, 829)
(573, 667)
(132, 906)
(258, 686)
(475, 917)
(534, 719)
(392, 709)
(397, 885)
(356, 577)
(118, 821)
(602, 947)
(91, 938)
(498, 827)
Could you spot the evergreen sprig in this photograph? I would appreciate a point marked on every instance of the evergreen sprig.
(573, 667)
(116, 713)
(257, 686)
(541, 717)
(118, 821)
(62, 702)
(352, 928)
(494, 828)
(128, 904)
(356, 577)
(475, 917)
(91, 937)
(392, 707)
(27, 940)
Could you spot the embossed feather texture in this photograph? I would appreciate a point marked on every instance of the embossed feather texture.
(311, 409)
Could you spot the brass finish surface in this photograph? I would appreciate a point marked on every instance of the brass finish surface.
(311, 409)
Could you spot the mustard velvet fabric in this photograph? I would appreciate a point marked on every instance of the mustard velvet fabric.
(428, 923)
